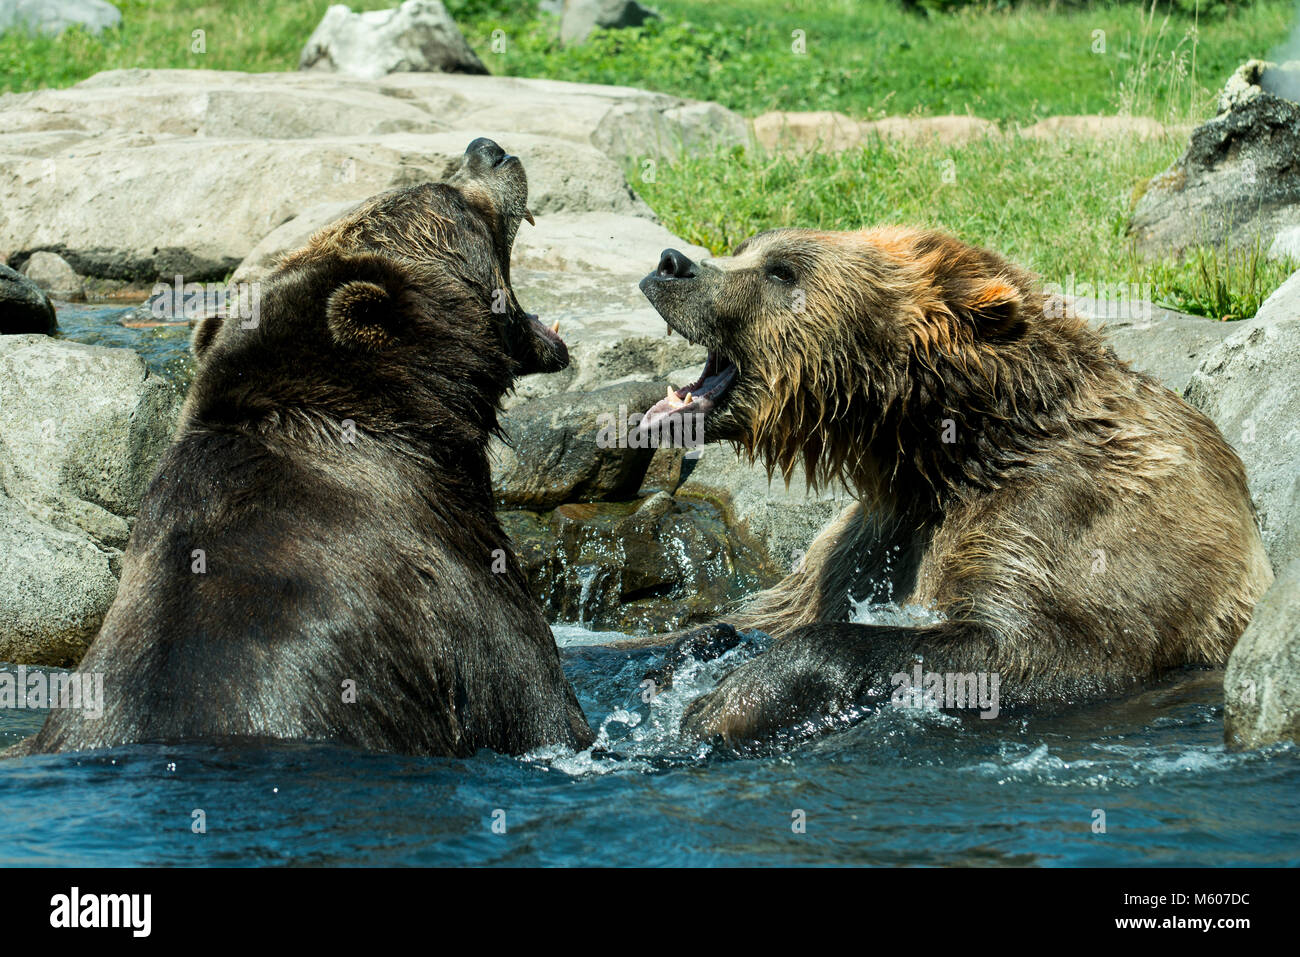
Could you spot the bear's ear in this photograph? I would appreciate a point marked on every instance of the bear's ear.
(205, 333)
(366, 312)
(995, 305)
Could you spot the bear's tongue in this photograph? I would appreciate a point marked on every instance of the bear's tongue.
(699, 398)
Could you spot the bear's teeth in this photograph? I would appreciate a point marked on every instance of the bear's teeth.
(556, 328)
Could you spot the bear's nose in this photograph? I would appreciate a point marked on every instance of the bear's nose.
(484, 153)
(674, 265)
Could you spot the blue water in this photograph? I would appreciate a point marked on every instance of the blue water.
(165, 349)
(899, 787)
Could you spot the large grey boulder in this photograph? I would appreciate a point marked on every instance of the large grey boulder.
(81, 430)
(24, 306)
(1261, 687)
(52, 17)
(1248, 386)
(197, 206)
(1238, 181)
(133, 175)
(1165, 344)
(418, 37)
(580, 17)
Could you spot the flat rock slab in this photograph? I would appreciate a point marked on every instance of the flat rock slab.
(140, 174)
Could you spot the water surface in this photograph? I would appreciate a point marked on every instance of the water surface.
(900, 787)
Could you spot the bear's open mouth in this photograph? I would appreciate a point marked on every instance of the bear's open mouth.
(700, 397)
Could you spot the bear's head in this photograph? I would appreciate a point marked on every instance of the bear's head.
(402, 309)
(822, 343)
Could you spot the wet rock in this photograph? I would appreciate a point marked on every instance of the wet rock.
(417, 37)
(53, 274)
(1261, 686)
(572, 447)
(52, 17)
(1247, 385)
(1238, 181)
(83, 429)
(783, 518)
(580, 17)
(24, 307)
(650, 565)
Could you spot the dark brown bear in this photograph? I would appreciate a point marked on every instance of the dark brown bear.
(317, 557)
(1072, 526)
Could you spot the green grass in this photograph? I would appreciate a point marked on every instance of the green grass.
(1057, 207)
(863, 57)
(1222, 285)
(869, 58)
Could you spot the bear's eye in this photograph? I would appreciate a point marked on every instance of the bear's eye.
(780, 272)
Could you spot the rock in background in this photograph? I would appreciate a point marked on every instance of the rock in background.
(81, 429)
(1238, 182)
(418, 37)
(136, 175)
(580, 17)
(53, 274)
(52, 17)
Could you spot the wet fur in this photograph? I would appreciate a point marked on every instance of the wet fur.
(1086, 530)
(369, 561)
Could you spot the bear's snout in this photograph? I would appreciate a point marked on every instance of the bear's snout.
(484, 154)
(675, 265)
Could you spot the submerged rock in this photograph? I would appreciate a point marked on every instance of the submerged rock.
(650, 565)
(1238, 181)
(83, 429)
